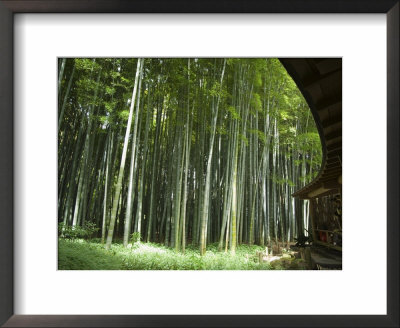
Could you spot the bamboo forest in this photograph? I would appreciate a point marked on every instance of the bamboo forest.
(182, 164)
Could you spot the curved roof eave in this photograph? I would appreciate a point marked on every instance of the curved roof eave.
(320, 82)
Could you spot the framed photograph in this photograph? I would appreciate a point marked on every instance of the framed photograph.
(188, 165)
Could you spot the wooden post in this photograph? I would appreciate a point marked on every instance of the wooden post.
(312, 215)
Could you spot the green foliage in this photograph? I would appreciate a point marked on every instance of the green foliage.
(260, 135)
(135, 237)
(115, 75)
(110, 90)
(309, 139)
(124, 115)
(214, 91)
(221, 130)
(76, 232)
(85, 64)
(232, 61)
(284, 115)
(290, 182)
(243, 138)
(256, 102)
(258, 89)
(258, 79)
(292, 130)
(83, 255)
(233, 112)
(90, 228)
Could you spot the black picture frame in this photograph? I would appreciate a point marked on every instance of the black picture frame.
(10, 7)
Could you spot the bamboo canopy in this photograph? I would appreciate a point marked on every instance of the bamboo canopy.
(320, 82)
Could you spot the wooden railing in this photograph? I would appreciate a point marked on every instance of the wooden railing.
(326, 238)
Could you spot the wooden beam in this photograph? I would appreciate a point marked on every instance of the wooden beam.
(328, 193)
(334, 146)
(332, 165)
(331, 176)
(331, 184)
(328, 103)
(333, 135)
(317, 192)
(326, 65)
(311, 82)
(335, 153)
(333, 161)
(332, 121)
(327, 245)
(303, 192)
(337, 169)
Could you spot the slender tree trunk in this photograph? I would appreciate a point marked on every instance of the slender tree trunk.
(188, 130)
(143, 170)
(206, 204)
(106, 183)
(123, 159)
(60, 119)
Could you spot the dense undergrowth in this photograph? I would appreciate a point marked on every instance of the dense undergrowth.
(80, 254)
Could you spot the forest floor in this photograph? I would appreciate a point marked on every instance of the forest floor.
(91, 255)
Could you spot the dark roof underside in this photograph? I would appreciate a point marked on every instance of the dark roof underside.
(320, 82)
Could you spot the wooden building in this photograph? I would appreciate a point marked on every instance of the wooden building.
(320, 81)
